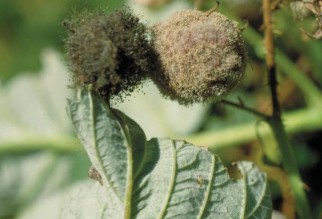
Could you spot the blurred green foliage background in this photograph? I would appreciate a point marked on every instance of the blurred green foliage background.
(29, 26)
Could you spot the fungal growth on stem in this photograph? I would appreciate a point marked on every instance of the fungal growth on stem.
(203, 56)
(108, 52)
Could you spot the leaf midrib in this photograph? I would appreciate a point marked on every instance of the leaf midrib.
(129, 180)
(210, 184)
(96, 147)
(171, 184)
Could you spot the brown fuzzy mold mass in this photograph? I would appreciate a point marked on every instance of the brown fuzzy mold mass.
(109, 52)
(203, 56)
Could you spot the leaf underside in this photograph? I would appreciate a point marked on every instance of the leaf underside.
(162, 178)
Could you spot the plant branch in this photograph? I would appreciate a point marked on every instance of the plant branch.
(304, 120)
(270, 61)
(312, 94)
(291, 169)
(245, 108)
(276, 124)
(66, 144)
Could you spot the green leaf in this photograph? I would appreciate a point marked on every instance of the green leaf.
(32, 110)
(162, 178)
(108, 136)
(25, 178)
(190, 182)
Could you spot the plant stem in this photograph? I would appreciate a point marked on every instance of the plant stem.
(276, 124)
(290, 166)
(33, 143)
(311, 92)
(304, 120)
(245, 108)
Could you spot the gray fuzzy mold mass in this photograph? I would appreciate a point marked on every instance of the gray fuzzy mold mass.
(109, 52)
(203, 56)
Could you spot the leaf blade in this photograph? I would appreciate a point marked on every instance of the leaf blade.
(202, 187)
(258, 201)
(164, 178)
(103, 139)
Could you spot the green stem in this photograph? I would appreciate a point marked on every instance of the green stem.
(295, 122)
(311, 93)
(277, 127)
(290, 166)
(33, 143)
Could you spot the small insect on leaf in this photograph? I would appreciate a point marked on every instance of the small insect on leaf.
(94, 174)
(199, 181)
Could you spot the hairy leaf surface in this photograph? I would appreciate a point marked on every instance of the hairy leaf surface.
(162, 178)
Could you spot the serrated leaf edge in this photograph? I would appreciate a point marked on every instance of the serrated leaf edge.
(245, 175)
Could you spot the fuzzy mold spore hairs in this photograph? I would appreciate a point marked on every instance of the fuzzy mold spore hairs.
(203, 56)
(108, 52)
